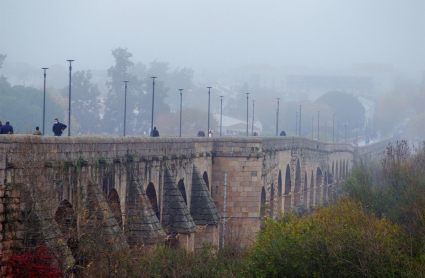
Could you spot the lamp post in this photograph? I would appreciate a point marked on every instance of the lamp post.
(296, 123)
(318, 127)
(209, 95)
(69, 98)
(253, 101)
(44, 99)
(181, 105)
(312, 126)
(333, 128)
(247, 95)
(125, 105)
(221, 112)
(153, 102)
(277, 117)
(299, 129)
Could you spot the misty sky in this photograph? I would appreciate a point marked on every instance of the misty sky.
(216, 34)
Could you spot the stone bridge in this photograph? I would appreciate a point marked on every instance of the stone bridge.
(143, 190)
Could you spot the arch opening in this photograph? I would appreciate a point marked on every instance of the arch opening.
(151, 194)
(312, 189)
(271, 200)
(182, 190)
(279, 184)
(114, 203)
(205, 177)
(319, 182)
(67, 220)
(298, 177)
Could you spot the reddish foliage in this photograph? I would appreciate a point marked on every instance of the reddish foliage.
(37, 264)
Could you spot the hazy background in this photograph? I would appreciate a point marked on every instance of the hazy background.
(216, 34)
(225, 44)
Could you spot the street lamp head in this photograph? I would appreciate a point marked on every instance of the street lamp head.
(126, 81)
(44, 68)
(209, 87)
(180, 89)
(221, 96)
(70, 61)
(253, 100)
(247, 93)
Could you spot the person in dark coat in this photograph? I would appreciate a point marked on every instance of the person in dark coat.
(201, 133)
(283, 133)
(58, 127)
(155, 132)
(6, 129)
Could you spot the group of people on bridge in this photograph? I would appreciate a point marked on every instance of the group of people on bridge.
(57, 128)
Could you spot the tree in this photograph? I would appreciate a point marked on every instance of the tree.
(85, 103)
(2, 57)
(347, 108)
(23, 106)
(113, 118)
(193, 120)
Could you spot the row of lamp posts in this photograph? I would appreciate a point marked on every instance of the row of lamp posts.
(297, 120)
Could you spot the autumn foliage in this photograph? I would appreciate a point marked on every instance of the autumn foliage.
(34, 264)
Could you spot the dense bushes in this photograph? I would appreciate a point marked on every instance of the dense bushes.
(337, 241)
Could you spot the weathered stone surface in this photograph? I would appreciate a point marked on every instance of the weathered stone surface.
(175, 213)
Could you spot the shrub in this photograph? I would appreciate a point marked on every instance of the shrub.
(35, 264)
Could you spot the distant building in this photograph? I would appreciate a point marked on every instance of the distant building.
(234, 126)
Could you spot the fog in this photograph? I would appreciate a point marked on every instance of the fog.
(216, 34)
(227, 44)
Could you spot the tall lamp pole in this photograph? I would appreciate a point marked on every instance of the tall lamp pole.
(221, 113)
(125, 105)
(153, 102)
(181, 105)
(296, 123)
(44, 99)
(209, 95)
(247, 95)
(253, 101)
(318, 123)
(69, 98)
(299, 129)
(277, 117)
(333, 128)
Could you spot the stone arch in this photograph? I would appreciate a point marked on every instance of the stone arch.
(271, 200)
(151, 194)
(305, 192)
(182, 190)
(297, 177)
(288, 180)
(325, 187)
(311, 189)
(279, 191)
(113, 200)
(263, 202)
(279, 184)
(319, 182)
(287, 199)
(319, 177)
(297, 187)
(348, 169)
(326, 178)
(336, 171)
(66, 218)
